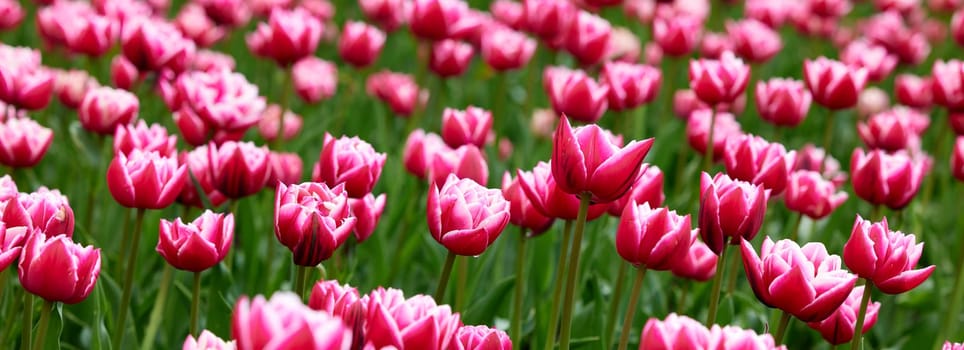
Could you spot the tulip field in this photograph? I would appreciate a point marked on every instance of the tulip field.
(481, 174)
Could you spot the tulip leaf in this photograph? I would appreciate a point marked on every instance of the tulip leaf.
(55, 325)
(484, 309)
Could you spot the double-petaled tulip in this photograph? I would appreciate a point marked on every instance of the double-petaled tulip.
(71, 86)
(225, 100)
(522, 211)
(271, 117)
(207, 341)
(630, 85)
(286, 168)
(948, 84)
(147, 139)
(360, 44)
(199, 171)
(11, 244)
(57, 269)
(589, 160)
(719, 81)
(350, 161)
(878, 62)
(284, 322)
(550, 200)
(464, 216)
(154, 45)
(839, 327)
(723, 337)
(698, 264)
(913, 91)
(196, 25)
(549, 19)
(753, 41)
(782, 102)
(45, 210)
(885, 258)
(289, 36)
(441, 19)
(889, 179)
(399, 91)
(334, 298)
(957, 159)
(698, 131)
(888, 29)
(312, 220)
(198, 245)
(650, 238)
(315, 79)
(483, 338)
(24, 83)
(575, 94)
(145, 180)
(730, 209)
(450, 57)
(415, 323)
(833, 84)
(105, 109)
(805, 282)
(23, 142)
(238, 169)
(505, 49)
(82, 30)
(10, 14)
(588, 38)
(808, 193)
(677, 35)
(675, 332)
(388, 14)
(648, 188)
(755, 160)
(473, 126)
(893, 130)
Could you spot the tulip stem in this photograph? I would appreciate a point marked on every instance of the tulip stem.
(614, 305)
(569, 300)
(157, 312)
(443, 281)
(125, 240)
(520, 264)
(301, 272)
(795, 227)
(631, 308)
(38, 343)
(128, 279)
(717, 283)
(278, 142)
(461, 280)
(782, 327)
(27, 320)
(859, 326)
(875, 213)
(732, 271)
(195, 302)
(708, 155)
(557, 289)
(950, 322)
(827, 140)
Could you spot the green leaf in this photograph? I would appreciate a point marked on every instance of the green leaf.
(54, 327)
(483, 310)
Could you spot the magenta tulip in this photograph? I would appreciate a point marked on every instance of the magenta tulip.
(885, 258)
(588, 38)
(471, 126)
(782, 102)
(483, 338)
(839, 327)
(57, 269)
(315, 79)
(753, 40)
(287, 37)
(415, 323)
(730, 209)
(913, 91)
(23, 142)
(833, 84)
(522, 212)
(360, 44)
(465, 162)
(656, 239)
(630, 85)
(698, 264)
(145, 180)
(238, 169)
(11, 243)
(312, 220)
(206, 341)
(104, 109)
(504, 49)
(889, 179)
(283, 322)
(808, 193)
(368, 210)
(575, 94)
(154, 45)
(550, 200)
(647, 189)
(47, 211)
(349, 161)
(450, 57)
(198, 245)
(129, 137)
(719, 81)
(755, 160)
(466, 217)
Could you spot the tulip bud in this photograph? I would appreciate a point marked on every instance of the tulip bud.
(508, 12)
(675, 332)
(24, 83)
(913, 91)
(483, 338)
(57, 269)
(893, 130)
(151, 44)
(782, 102)
(698, 264)
(104, 109)
(833, 84)
(753, 40)
(471, 126)
(450, 58)
(653, 238)
(884, 257)
(312, 220)
(549, 19)
(315, 79)
(196, 25)
(368, 210)
(71, 87)
(808, 193)
(648, 189)
(891, 180)
(145, 180)
(588, 39)
(730, 209)
(388, 14)
(285, 168)
(440, 19)
(947, 78)
(504, 49)
(547, 198)
(875, 59)
(753, 159)
(198, 245)
(11, 14)
(129, 137)
(238, 169)
(207, 341)
(575, 94)
(771, 13)
(349, 161)
(399, 91)
(332, 297)
(698, 131)
(287, 37)
(466, 217)
(123, 73)
(522, 212)
(630, 85)
(889, 30)
(465, 162)
(419, 151)
(360, 44)
(677, 35)
(271, 117)
(23, 142)
(719, 81)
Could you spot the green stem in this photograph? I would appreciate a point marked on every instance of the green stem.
(717, 283)
(195, 302)
(859, 326)
(301, 272)
(614, 304)
(125, 241)
(279, 139)
(875, 212)
(640, 121)
(942, 135)
(157, 312)
(954, 312)
(708, 153)
(520, 266)
(38, 343)
(557, 289)
(732, 271)
(827, 139)
(460, 281)
(681, 303)
(569, 300)
(443, 281)
(27, 322)
(782, 328)
(128, 280)
(795, 227)
(631, 308)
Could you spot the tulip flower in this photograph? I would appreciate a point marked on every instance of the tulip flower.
(808, 193)
(913, 91)
(57, 269)
(505, 49)
(713, 45)
(551, 201)
(522, 210)
(839, 327)
(549, 19)
(415, 323)
(10, 14)
(349, 161)
(287, 37)
(630, 85)
(104, 109)
(145, 180)
(399, 91)
(509, 12)
(483, 338)
(198, 245)
(888, 29)
(153, 45)
(698, 129)
(333, 298)
(207, 341)
(284, 322)
(123, 73)
(675, 332)
(588, 38)
(722, 337)
(450, 58)
(575, 94)
(893, 130)
(45, 210)
(208, 60)
(677, 35)
(833, 84)
(268, 125)
(86, 32)
(653, 238)
(730, 209)
(698, 264)
(360, 44)
(238, 169)
(223, 99)
(315, 79)
(8, 188)
(755, 160)
(719, 81)
(772, 13)
(199, 171)
(782, 102)
(230, 13)
(197, 26)
(24, 84)
(813, 158)
(948, 84)
(312, 220)
(471, 126)
(465, 162)
(420, 149)
(885, 258)
(753, 40)
(72, 85)
(129, 137)
(23, 142)
(878, 62)
(464, 216)
(889, 179)
(440, 19)
(957, 159)
(11, 243)
(647, 189)
(286, 168)
(368, 210)
(388, 14)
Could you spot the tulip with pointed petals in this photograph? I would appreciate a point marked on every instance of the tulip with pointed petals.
(808, 193)
(630, 85)
(145, 180)
(833, 84)
(782, 102)
(483, 338)
(283, 322)
(730, 209)
(647, 189)
(287, 37)
(45, 210)
(466, 217)
(505, 49)
(57, 269)
(238, 169)
(889, 179)
(471, 126)
(333, 297)
(198, 245)
(413, 323)
(719, 81)
(839, 327)
(360, 44)
(913, 91)
(753, 40)
(656, 239)
(312, 220)
(550, 200)
(755, 160)
(23, 142)
(575, 94)
(884, 257)
(522, 212)
(129, 137)
(349, 161)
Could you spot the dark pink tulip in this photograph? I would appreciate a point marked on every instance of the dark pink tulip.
(23, 142)
(549, 19)
(522, 212)
(713, 45)
(225, 100)
(286, 168)
(509, 13)
(719, 81)
(957, 122)
(874, 58)
(957, 27)
(808, 193)
(315, 79)
(231, 13)
(287, 37)
(655, 239)
(885, 258)
(145, 180)
(888, 29)
(147, 139)
(206, 341)
(465, 162)
(587, 160)
(675, 332)
(889, 179)
(10, 14)
(333, 298)
(698, 131)
(238, 169)
(677, 35)
(268, 125)
(11, 244)
(123, 73)
(368, 210)
(77, 27)
(753, 40)
(197, 26)
(155, 45)
(839, 327)
(630, 85)
(782, 102)
(198, 245)
(420, 149)
(810, 157)
(199, 171)
(51, 23)
(105, 109)
(388, 14)
(196, 132)
(698, 264)
(547, 198)
(833, 84)
(952, 346)
(471, 126)
(755, 160)
(349, 161)
(360, 44)
(312, 220)
(829, 8)
(399, 91)
(893, 130)
(441, 19)
(771, 13)
(588, 38)
(505, 49)
(72, 85)
(24, 83)
(47, 211)
(730, 209)
(208, 60)
(283, 322)
(483, 338)
(805, 282)
(575, 94)
(948, 80)
(415, 323)
(449, 57)
(57, 269)
(726, 337)
(648, 189)
(464, 216)
(913, 91)
(957, 159)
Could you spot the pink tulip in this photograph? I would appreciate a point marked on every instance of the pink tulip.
(51, 23)
(312, 220)
(399, 91)
(755, 160)
(810, 157)
(47, 211)
(550, 200)
(223, 99)
(268, 124)
(11, 14)
(483, 338)
(730, 209)
(125, 11)
(287, 37)
(509, 12)
(522, 212)
(957, 27)
(808, 193)
(586, 160)
(104, 109)
(145, 180)
(208, 60)
(388, 14)
(675, 332)
(677, 35)
(333, 298)
(723, 337)
(123, 73)
(885, 258)
(315, 79)
(624, 46)
(283, 322)
(199, 171)
(323, 10)
(873, 100)
(588, 38)
(198, 245)
(948, 80)
(238, 169)
(753, 40)
(24, 83)
(698, 130)
(698, 264)
(23, 142)
(11, 244)
(207, 341)
(77, 27)
(648, 189)
(349, 161)
(471, 126)
(630, 85)
(772, 13)
(829, 8)
(833, 84)
(957, 159)
(465, 162)
(71, 87)
(415, 323)
(57, 269)
(129, 137)
(8, 189)
(368, 210)
(549, 19)
(286, 168)
(440, 19)
(952, 346)
(449, 57)
(839, 327)
(888, 29)
(719, 81)
(466, 217)
(419, 151)
(889, 179)
(360, 44)
(894, 129)
(505, 49)
(230, 13)
(196, 132)
(575, 94)
(655, 239)
(913, 91)
(782, 102)
(197, 26)
(875, 59)
(155, 45)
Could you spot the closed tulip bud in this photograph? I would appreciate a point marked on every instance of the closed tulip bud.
(360, 44)
(730, 209)
(833, 84)
(698, 131)
(648, 189)
(315, 79)
(123, 73)
(199, 172)
(129, 137)
(415, 323)
(198, 245)
(10, 14)
(713, 45)
(145, 180)
(465, 162)
(719, 81)
(57, 269)
(47, 211)
(755, 160)
(508, 12)
(464, 216)
(71, 86)
(699, 263)
(104, 109)
(893, 130)
(549, 19)
(368, 210)
(677, 35)
(588, 38)
(889, 179)
(575, 94)
(805, 282)
(753, 40)
(808, 193)
(238, 169)
(388, 14)
(23, 142)
(957, 159)
(312, 220)
(24, 83)
(333, 298)
(550, 200)
(948, 77)
(450, 57)
(483, 338)
(522, 212)
(888, 29)
(284, 322)
(913, 91)
(630, 85)
(576, 165)
(268, 124)
(885, 258)
(287, 37)
(285, 168)
(11, 244)
(419, 151)
(675, 332)
(349, 161)
(653, 238)
(198, 133)
(505, 49)
(471, 126)
(154, 45)
(399, 91)
(207, 341)
(782, 102)
(839, 327)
